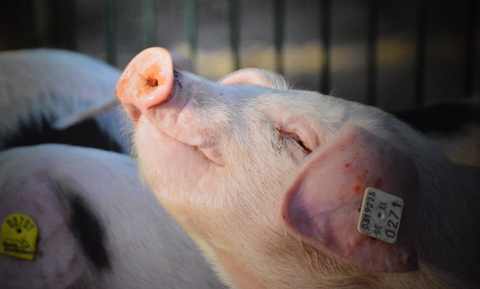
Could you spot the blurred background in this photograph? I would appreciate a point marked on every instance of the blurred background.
(392, 54)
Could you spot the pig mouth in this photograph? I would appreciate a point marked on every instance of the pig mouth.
(176, 83)
(209, 153)
(212, 153)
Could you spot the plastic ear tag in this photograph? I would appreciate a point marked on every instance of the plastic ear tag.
(380, 215)
(18, 237)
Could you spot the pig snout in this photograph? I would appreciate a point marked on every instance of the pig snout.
(179, 107)
(146, 82)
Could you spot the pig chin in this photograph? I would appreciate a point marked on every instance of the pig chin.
(169, 166)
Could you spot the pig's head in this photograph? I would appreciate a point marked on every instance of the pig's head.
(269, 181)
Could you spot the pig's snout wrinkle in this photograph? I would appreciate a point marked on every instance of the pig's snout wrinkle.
(147, 81)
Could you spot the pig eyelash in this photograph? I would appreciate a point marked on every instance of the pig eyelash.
(296, 139)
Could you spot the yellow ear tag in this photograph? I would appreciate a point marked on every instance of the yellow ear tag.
(18, 237)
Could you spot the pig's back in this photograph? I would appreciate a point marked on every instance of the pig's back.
(98, 226)
(39, 86)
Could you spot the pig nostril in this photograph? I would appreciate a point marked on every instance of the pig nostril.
(152, 82)
(149, 80)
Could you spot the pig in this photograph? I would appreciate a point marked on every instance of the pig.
(98, 227)
(41, 86)
(270, 182)
(59, 96)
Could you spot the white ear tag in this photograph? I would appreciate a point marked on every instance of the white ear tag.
(380, 215)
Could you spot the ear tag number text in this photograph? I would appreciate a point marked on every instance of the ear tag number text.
(380, 215)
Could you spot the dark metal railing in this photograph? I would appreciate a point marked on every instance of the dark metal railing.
(233, 15)
(279, 28)
(470, 57)
(419, 73)
(148, 13)
(110, 31)
(325, 65)
(372, 36)
(64, 11)
(191, 27)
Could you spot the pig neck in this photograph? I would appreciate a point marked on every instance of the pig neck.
(448, 236)
(237, 274)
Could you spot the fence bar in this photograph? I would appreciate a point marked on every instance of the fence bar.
(109, 20)
(65, 13)
(191, 28)
(325, 11)
(279, 25)
(148, 14)
(41, 22)
(419, 93)
(372, 38)
(233, 13)
(470, 57)
(28, 23)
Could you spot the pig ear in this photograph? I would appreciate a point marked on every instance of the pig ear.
(87, 113)
(255, 76)
(322, 205)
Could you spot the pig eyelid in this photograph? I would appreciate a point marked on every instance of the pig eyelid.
(294, 137)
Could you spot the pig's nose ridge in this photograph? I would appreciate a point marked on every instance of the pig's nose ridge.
(146, 82)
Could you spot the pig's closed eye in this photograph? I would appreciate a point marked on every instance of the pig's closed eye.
(293, 143)
(296, 139)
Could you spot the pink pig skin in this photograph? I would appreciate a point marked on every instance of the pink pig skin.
(260, 177)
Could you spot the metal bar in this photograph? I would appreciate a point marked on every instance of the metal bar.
(42, 22)
(109, 19)
(372, 53)
(27, 24)
(470, 57)
(419, 93)
(279, 27)
(233, 13)
(64, 13)
(325, 11)
(148, 11)
(71, 14)
(191, 28)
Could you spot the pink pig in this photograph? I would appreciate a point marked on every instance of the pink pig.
(269, 182)
(98, 227)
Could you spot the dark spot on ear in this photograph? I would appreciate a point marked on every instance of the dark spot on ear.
(89, 233)
(39, 254)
